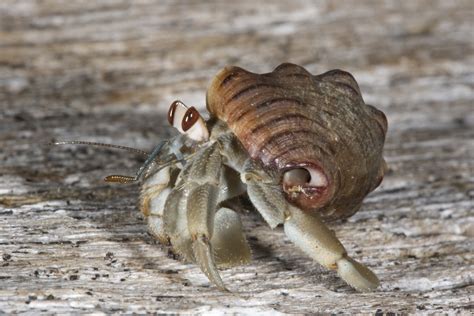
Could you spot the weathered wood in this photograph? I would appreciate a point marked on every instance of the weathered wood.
(106, 71)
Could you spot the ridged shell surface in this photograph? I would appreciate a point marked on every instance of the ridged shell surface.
(289, 118)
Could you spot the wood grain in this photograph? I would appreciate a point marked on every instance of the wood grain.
(107, 70)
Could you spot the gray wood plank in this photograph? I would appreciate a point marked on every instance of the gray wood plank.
(107, 70)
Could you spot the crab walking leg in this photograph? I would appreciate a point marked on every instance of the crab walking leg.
(269, 202)
(310, 234)
(201, 207)
(307, 231)
(264, 194)
(203, 179)
(175, 224)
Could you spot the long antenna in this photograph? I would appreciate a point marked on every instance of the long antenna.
(80, 142)
(121, 178)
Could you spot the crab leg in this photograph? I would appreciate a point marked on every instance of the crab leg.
(202, 177)
(305, 230)
(188, 218)
(310, 234)
(175, 224)
(201, 209)
(266, 198)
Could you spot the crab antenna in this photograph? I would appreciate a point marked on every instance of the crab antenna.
(148, 161)
(79, 142)
(120, 178)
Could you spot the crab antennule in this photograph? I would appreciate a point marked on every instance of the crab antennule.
(116, 178)
(150, 159)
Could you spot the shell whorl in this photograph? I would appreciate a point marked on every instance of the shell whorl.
(289, 117)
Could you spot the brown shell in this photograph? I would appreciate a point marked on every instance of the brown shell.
(289, 118)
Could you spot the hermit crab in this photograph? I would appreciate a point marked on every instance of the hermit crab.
(301, 148)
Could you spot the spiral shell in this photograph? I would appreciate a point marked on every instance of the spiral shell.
(289, 118)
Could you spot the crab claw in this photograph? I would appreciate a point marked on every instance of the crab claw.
(228, 240)
(310, 234)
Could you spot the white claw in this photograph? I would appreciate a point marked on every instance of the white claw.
(357, 275)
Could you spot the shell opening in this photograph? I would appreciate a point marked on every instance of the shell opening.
(305, 186)
(188, 121)
(304, 177)
(296, 177)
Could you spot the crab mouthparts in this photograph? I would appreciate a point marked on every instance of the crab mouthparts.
(309, 191)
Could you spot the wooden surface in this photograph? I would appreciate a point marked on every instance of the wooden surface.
(107, 70)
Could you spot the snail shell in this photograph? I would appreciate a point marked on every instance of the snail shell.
(290, 119)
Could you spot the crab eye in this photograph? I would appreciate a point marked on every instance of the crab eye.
(194, 126)
(176, 113)
(187, 121)
(190, 118)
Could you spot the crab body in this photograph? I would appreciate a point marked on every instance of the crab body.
(301, 148)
